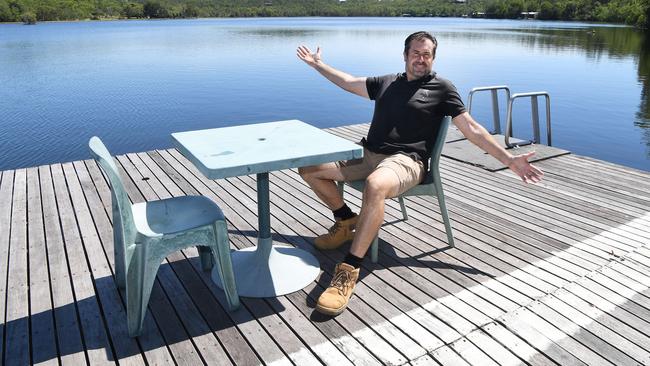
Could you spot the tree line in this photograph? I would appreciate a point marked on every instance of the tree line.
(633, 12)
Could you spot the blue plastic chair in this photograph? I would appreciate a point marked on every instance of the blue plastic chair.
(430, 186)
(145, 233)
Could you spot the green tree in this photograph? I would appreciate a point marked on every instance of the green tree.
(154, 9)
(190, 10)
(514, 8)
(133, 10)
(568, 10)
(48, 11)
(548, 11)
(5, 12)
(28, 17)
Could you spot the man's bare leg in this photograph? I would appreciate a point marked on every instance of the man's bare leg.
(321, 179)
(381, 184)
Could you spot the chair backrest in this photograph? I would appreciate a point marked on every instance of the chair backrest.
(122, 213)
(436, 150)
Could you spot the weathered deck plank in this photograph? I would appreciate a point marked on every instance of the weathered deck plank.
(68, 328)
(516, 345)
(40, 309)
(553, 273)
(6, 189)
(95, 335)
(591, 219)
(17, 317)
(112, 312)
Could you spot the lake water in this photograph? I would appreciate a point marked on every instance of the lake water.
(134, 82)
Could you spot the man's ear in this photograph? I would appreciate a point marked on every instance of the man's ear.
(405, 58)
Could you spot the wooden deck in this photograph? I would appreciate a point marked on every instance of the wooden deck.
(555, 273)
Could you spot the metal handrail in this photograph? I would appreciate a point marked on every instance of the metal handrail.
(495, 103)
(535, 113)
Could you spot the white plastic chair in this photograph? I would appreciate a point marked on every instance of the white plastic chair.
(145, 233)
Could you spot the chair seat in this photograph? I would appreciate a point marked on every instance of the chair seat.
(174, 215)
(422, 189)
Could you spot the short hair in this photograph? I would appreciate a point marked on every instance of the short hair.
(419, 36)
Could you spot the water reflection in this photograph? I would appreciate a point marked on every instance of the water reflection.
(643, 116)
(595, 43)
(282, 33)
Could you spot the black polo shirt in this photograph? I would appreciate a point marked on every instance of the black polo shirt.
(408, 114)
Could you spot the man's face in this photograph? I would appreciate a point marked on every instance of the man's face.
(419, 59)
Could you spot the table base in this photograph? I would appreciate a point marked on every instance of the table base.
(280, 271)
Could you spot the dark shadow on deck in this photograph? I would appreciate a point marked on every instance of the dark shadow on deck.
(184, 322)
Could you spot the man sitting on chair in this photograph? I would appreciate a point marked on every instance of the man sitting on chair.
(409, 108)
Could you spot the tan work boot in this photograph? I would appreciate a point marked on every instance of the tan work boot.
(335, 298)
(341, 232)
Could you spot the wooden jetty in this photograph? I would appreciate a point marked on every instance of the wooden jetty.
(556, 273)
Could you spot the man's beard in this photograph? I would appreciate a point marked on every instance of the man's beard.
(419, 71)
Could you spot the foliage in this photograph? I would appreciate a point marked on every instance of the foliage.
(28, 17)
(635, 12)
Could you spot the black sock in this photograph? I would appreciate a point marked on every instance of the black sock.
(353, 260)
(343, 213)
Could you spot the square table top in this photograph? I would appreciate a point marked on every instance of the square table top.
(262, 147)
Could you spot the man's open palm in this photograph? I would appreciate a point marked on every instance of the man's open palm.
(304, 53)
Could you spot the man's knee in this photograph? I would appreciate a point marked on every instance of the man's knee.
(303, 171)
(378, 186)
(307, 172)
(323, 172)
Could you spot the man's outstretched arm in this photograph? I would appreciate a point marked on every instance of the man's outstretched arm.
(480, 137)
(353, 84)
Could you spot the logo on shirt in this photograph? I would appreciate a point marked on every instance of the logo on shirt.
(424, 94)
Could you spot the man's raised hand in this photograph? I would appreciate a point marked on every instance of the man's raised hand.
(311, 59)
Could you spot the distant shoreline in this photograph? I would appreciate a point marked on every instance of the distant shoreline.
(631, 12)
(303, 16)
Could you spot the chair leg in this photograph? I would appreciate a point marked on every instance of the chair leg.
(221, 250)
(205, 254)
(140, 278)
(374, 249)
(118, 252)
(445, 216)
(403, 206)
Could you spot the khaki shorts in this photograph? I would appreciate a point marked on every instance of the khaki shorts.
(408, 171)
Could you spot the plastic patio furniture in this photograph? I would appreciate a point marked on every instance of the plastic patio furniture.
(430, 186)
(145, 233)
(267, 269)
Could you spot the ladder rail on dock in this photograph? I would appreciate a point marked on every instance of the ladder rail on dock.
(511, 98)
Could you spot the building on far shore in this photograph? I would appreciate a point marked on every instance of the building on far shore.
(529, 14)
